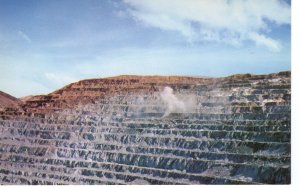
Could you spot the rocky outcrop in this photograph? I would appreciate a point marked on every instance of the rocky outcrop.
(8, 102)
(152, 130)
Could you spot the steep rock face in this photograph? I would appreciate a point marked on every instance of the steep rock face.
(152, 130)
(8, 102)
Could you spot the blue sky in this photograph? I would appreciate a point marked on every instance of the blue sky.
(45, 45)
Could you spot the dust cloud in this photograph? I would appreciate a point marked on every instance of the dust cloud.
(177, 104)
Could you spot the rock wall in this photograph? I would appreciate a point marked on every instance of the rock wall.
(8, 102)
(120, 130)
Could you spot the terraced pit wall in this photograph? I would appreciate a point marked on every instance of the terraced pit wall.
(116, 131)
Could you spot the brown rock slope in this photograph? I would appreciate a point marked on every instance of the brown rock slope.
(152, 130)
(8, 101)
(87, 91)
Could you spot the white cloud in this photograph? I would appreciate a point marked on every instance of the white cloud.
(265, 41)
(59, 79)
(24, 36)
(20, 87)
(226, 21)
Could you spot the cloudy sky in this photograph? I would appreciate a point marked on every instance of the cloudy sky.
(45, 44)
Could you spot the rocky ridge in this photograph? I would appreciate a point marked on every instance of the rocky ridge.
(8, 102)
(120, 130)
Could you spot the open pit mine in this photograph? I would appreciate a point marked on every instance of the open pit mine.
(150, 130)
